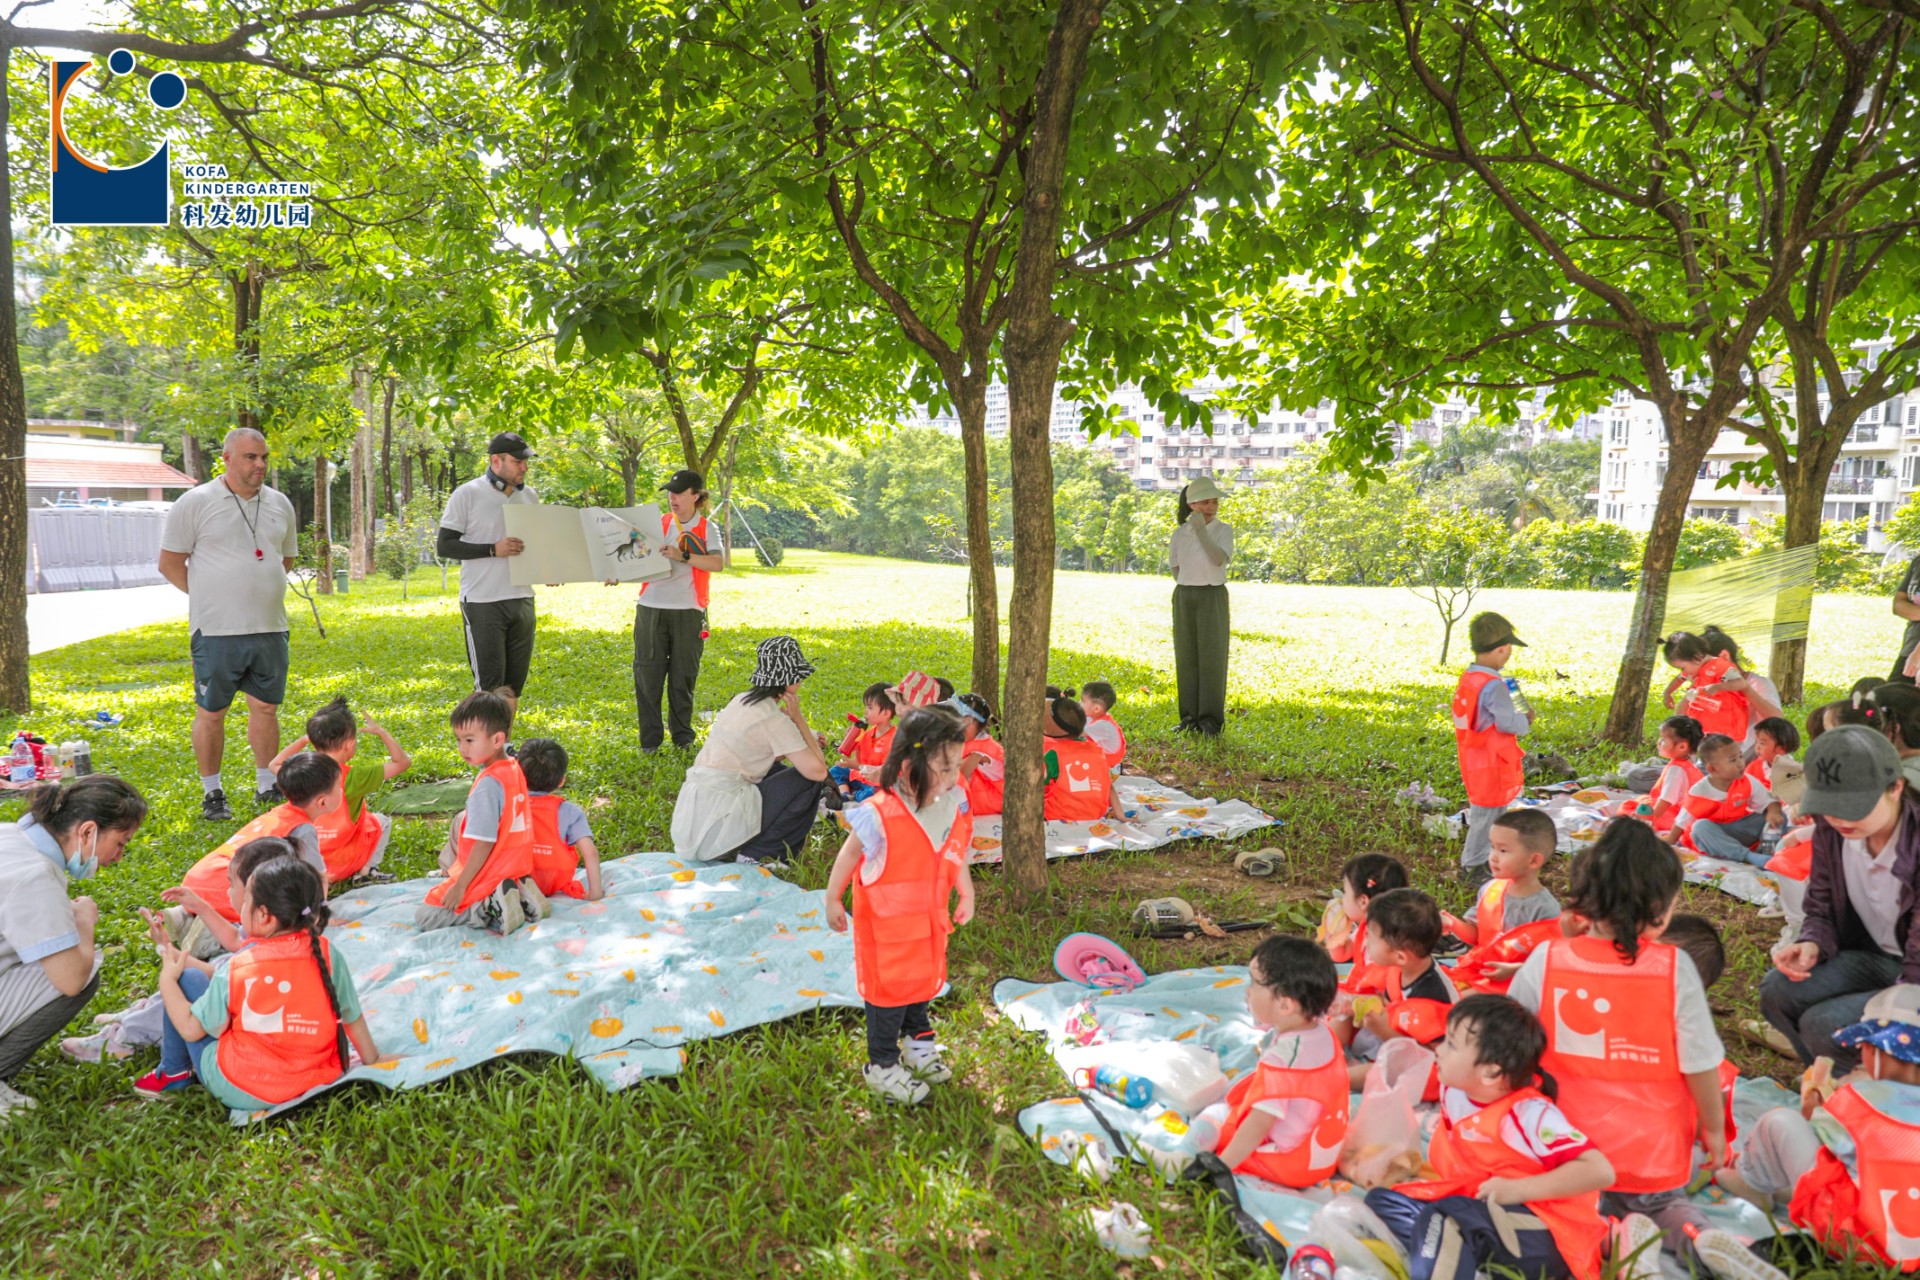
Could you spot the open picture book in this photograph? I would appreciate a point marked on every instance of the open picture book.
(585, 544)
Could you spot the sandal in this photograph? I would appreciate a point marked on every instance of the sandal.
(1259, 863)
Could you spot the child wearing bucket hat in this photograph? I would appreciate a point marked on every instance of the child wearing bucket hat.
(1487, 728)
(1846, 1168)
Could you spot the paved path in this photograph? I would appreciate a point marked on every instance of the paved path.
(62, 618)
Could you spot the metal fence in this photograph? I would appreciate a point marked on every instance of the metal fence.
(93, 548)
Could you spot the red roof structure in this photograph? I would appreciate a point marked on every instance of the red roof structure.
(49, 473)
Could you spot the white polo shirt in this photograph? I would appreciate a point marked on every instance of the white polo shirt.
(231, 590)
(477, 512)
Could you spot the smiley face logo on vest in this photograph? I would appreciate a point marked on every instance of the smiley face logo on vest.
(1323, 1144)
(1900, 1209)
(1079, 775)
(87, 193)
(1579, 1023)
(266, 1022)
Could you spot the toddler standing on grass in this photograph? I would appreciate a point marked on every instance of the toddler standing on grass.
(906, 857)
(1487, 728)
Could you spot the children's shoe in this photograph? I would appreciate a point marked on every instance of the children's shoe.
(213, 807)
(501, 911)
(921, 1058)
(1728, 1179)
(533, 903)
(1636, 1248)
(1122, 1229)
(895, 1084)
(11, 1100)
(1727, 1256)
(158, 1084)
(374, 875)
(103, 1043)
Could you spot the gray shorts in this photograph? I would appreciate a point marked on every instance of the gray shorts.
(255, 665)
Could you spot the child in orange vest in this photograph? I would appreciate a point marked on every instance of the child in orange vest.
(909, 846)
(1079, 783)
(1629, 1035)
(1403, 928)
(1487, 728)
(864, 753)
(311, 784)
(1718, 707)
(1679, 738)
(1775, 739)
(1285, 1120)
(1343, 926)
(1501, 1142)
(562, 838)
(1521, 842)
(1098, 700)
(983, 761)
(353, 838)
(213, 934)
(1844, 1167)
(1728, 813)
(489, 859)
(279, 1012)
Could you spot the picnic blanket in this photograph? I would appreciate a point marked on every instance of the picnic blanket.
(1208, 1007)
(675, 952)
(1154, 815)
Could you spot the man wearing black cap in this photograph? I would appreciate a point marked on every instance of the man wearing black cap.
(670, 620)
(498, 615)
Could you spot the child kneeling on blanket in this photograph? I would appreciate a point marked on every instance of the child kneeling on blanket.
(1501, 1142)
(909, 844)
(1285, 1120)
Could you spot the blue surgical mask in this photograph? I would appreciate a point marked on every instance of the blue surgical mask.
(82, 868)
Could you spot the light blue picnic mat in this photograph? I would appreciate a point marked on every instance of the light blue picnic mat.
(676, 951)
(1208, 1007)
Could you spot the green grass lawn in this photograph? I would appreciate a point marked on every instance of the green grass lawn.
(764, 1156)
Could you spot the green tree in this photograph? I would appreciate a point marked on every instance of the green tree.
(1582, 555)
(1707, 542)
(1841, 563)
(1454, 555)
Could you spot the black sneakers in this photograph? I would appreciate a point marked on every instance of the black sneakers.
(270, 797)
(213, 807)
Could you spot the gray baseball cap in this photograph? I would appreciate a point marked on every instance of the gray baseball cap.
(1848, 769)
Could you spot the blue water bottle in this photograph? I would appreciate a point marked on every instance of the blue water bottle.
(1134, 1091)
(1520, 702)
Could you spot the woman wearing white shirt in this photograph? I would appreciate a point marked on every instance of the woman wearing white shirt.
(754, 790)
(1199, 552)
(49, 966)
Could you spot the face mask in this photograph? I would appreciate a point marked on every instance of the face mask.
(82, 868)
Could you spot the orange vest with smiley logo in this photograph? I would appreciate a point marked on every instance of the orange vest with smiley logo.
(1722, 712)
(1879, 1215)
(901, 920)
(282, 1038)
(1490, 761)
(1315, 1158)
(512, 854)
(208, 877)
(1613, 1047)
(1083, 791)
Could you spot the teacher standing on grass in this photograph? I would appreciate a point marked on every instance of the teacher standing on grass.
(497, 616)
(1201, 548)
(670, 620)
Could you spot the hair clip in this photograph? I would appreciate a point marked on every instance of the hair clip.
(306, 911)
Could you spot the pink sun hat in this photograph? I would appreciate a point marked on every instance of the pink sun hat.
(1093, 961)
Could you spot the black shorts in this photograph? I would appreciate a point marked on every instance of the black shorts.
(254, 664)
(499, 641)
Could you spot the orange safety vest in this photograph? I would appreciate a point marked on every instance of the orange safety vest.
(282, 1038)
(1489, 760)
(554, 860)
(1692, 773)
(1878, 1215)
(1114, 758)
(901, 920)
(871, 745)
(986, 797)
(1422, 1018)
(1613, 1047)
(1724, 712)
(1490, 913)
(1084, 790)
(347, 843)
(1761, 772)
(1735, 805)
(1315, 1159)
(1365, 978)
(512, 854)
(208, 877)
(1795, 862)
(1510, 947)
(1467, 1153)
(701, 578)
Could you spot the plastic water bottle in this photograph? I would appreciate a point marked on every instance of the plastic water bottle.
(1520, 702)
(20, 762)
(82, 758)
(1134, 1091)
(1310, 1262)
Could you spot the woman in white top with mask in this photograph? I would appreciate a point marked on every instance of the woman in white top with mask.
(1201, 548)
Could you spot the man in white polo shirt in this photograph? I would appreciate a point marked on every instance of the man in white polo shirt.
(228, 544)
(498, 615)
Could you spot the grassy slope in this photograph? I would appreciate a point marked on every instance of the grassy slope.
(764, 1157)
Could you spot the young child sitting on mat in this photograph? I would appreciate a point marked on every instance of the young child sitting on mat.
(1285, 1120)
(1502, 1143)
(1679, 738)
(489, 855)
(1403, 928)
(1727, 814)
(353, 838)
(311, 784)
(863, 753)
(1343, 926)
(1079, 784)
(1522, 840)
(562, 837)
(983, 761)
(1775, 739)
(908, 846)
(1098, 700)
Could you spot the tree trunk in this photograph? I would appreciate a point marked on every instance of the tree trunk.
(322, 528)
(247, 285)
(629, 475)
(386, 448)
(406, 478)
(726, 501)
(16, 693)
(193, 457)
(357, 551)
(1688, 441)
(970, 402)
(1034, 338)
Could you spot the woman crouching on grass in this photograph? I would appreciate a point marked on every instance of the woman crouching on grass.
(909, 843)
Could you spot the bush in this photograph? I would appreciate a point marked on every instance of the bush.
(395, 557)
(1704, 541)
(1580, 554)
(769, 551)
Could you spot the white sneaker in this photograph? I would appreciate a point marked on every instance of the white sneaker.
(1122, 1229)
(533, 903)
(1636, 1248)
(103, 1043)
(506, 914)
(922, 1059)
(895, 1084)
(11, 1101)
(1727, 1256)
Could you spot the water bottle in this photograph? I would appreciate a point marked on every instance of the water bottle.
(1134, 1091)
(1310, 1262)
(82, 758)
(1520, 702)
(20, 762)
